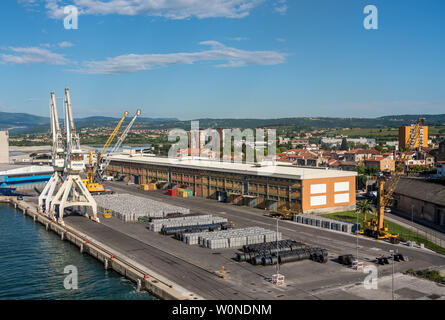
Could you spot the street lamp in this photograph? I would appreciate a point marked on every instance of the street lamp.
(392, 286)
(356, 233)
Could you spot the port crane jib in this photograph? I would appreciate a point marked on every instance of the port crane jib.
(72, 192)
(91, 182)
(96, 171)
(103, 167)
(58, 159)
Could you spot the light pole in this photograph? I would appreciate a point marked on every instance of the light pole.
(392, 286)
(356, 234)
(278, 255)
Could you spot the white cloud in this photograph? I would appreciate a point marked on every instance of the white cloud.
(28, 3)
(281, 6)
(238, 39)
(281, 9)
(32, 99)
(65, 44)
(32, 55)
(231, 57)
(171, 9)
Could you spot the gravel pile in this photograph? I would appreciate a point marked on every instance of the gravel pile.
(130, 208)
(233, 238)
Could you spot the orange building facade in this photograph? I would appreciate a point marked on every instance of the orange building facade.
(327, 193)
(405, 134)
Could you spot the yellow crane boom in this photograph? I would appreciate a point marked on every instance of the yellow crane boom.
(386, 188)
(89, 182)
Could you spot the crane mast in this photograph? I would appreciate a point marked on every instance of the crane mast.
(58, 144)
(74, 156)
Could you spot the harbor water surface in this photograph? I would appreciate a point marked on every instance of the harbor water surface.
(33, 260)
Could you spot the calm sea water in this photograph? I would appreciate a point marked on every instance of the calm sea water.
(32, 262)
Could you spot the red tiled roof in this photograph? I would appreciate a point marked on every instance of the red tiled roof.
(363, 151)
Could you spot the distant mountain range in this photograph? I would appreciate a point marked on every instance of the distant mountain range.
(19, 123)
(19, 120)
(315, 122)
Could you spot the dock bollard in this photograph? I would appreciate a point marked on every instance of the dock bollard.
(222, 275)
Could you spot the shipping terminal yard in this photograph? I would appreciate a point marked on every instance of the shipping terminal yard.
(191, 228)
(195, 272)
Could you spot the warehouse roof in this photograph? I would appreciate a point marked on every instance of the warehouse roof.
(431, 192)
(26, 170)
(281, 170)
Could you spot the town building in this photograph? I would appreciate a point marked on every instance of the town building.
(359, 155)
(382, 164)
(4, 147)
(441, 151)
(337, 141)
(407, 132)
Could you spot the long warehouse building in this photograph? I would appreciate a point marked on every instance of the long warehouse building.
(279, 188)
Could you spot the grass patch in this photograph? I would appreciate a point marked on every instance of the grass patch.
(428, 274)
(394, 228)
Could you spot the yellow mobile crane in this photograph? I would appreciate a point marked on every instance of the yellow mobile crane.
(375, 227)
(90, 183)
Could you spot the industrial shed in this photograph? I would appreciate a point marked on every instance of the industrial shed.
(424, 200)
(277, 188)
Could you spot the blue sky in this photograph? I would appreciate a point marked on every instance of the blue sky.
(224, 58)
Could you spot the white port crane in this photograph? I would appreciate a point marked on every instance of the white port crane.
(58, 161)
(72, 192)
(121, 139)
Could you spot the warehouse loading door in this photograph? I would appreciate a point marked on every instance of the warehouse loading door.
(246, 186)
